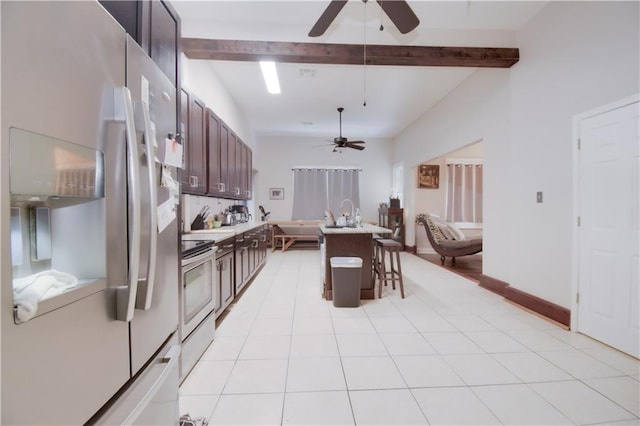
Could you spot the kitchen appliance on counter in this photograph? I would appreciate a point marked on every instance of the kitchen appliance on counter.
(198, 299)
(89, 324)
(241, 213)
(227, 218)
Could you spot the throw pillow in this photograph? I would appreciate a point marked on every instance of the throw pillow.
(457, 233)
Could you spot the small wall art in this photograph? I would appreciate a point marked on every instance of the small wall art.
(429, 176)
(276, 193)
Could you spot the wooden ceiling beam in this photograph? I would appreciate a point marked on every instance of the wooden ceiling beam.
(349, 54)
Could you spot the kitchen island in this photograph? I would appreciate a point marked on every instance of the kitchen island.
(350, 242)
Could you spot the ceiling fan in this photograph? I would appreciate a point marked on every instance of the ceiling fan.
(342, 142)
(397, 10)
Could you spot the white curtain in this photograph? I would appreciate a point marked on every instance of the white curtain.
(316, 190)
(341, 185)
(309, 194)
(464, 193)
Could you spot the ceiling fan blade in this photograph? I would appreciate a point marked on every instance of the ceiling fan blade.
(400, 14)
(358, 147)
(327, 17)
(356, 142)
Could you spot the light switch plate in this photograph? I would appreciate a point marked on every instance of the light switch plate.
(539, 196)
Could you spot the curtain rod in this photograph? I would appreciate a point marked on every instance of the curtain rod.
(325, 168)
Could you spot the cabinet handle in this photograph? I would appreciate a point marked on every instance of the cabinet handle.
(221, 187)
(236, 190)
(193, 181)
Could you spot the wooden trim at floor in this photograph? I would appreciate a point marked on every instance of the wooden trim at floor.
(410, 249)
(534, 303)
(541, 306)
(493, 284)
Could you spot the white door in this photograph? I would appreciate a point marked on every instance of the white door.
(608, 233)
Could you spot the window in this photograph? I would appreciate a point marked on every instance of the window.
(318, 189)
(464, 191)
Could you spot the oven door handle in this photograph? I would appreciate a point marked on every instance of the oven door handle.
(199, 258)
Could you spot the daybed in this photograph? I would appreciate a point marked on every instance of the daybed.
(446, 239)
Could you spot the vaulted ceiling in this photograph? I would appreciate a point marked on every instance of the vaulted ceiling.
(320, 74)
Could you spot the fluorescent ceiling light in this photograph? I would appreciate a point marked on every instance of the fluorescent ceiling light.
(270, 76)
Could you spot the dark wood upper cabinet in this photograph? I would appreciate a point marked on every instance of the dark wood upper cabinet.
(233, 190)
(245, 173)
(215, 186)
(238, 189)
(215, 153)
(195, 174)
(164, 38)
(249, 173)
(155, 26)
(224, 158)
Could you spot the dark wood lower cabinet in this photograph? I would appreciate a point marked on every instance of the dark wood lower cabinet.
(242, 261)
(251, 253)
(225, 269)
(238, 259)
(350, 245)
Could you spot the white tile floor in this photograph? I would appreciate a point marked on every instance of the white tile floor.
(449, 353)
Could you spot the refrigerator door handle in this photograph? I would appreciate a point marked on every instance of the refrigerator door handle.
(126, 295)
(145, 292)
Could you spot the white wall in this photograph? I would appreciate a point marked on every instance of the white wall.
(476, 110)
(279, 154)
(575, 56)
(199, 78)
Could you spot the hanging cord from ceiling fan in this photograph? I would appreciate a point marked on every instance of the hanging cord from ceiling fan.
(364, 104)
(381, 17)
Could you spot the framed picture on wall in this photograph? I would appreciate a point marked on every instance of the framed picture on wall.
(429, 176)
(276, 193)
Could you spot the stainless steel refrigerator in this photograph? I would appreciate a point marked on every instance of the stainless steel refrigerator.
(89, 239)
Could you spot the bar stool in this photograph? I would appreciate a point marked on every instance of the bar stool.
(384, 246)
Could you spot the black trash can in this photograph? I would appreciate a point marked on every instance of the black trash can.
(345, 279)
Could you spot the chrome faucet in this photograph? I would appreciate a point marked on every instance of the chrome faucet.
(352, 207)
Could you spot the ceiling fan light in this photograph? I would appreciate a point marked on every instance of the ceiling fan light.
(270, 75)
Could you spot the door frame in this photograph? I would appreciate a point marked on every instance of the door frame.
(575, 261)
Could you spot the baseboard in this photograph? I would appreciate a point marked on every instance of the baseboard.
(429, 250)
(540, 306)
(493, 284)
(410, 249)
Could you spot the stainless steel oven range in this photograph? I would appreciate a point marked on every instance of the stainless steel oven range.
(198, 297)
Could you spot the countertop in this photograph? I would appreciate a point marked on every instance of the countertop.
(366, 228)
(222, 233)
